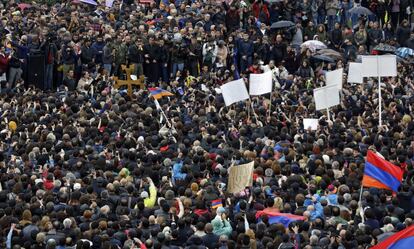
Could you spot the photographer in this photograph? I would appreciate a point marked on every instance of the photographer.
(221, 225)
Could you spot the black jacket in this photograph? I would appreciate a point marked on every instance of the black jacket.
(87, 55)
(135, 55)
(279, 52)
(153, 51)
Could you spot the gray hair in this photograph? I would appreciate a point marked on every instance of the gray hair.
(67, 223)
(313, 240)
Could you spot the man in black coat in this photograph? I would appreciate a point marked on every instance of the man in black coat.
(279, 51)
(136, 57)
(49, 49)
(152, 56)
(403, 33)
(336, 37)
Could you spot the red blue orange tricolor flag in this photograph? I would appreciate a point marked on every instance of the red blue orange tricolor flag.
(158, 93)
(401, 240)
(276, 217)
(216, 203)
(380, 173)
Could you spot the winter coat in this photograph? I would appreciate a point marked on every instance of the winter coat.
(221, 227)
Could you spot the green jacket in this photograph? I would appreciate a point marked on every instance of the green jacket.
(221, 227)
(121, 51)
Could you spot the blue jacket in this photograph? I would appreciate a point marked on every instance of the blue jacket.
(177, 174)
(245, 48)
(97, 48)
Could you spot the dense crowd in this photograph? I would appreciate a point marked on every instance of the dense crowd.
(84, 165)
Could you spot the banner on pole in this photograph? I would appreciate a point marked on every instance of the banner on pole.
(311, 123)
(379, 66)
(355, 73)
(326, 97)
(240, 177)
(234, 91)
(335, 78)
(260, 83)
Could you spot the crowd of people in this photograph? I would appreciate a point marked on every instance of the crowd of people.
(84, 165)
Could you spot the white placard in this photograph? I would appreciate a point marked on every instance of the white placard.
(326, 97)
(311, 123)
(260, 83)
(3, 77)
(383, 66)
(234, 91)
(355, 73)
(334, 78)
(109, 3)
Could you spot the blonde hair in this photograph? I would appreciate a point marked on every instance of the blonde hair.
(278, 203)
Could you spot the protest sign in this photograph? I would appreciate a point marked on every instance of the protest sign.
(240, 177)
(109, 3)
(379, 66)
(311, 123)
(326, 97)
(335, 78)
(234, 91)
(260, 83)
(355, 73)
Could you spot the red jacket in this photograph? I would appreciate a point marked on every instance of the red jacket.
(4, 62)
(257, 9)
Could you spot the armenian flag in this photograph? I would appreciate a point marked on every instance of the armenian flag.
(276, 217)
(380, 173)
(158, 93)
(216, 204)
(401, 240)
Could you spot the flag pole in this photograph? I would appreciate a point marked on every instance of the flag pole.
(163, 113)
(270, 104)
(379, 93)
(361, 210)
(248, 112)
(328, 114)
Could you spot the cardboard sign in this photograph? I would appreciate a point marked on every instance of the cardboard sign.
(240, 177)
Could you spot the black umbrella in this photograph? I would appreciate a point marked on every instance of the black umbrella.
(360, 11)
(324, 58)
(282, 24)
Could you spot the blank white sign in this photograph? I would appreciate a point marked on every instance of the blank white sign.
(234, 91)
(355, 73)
(334, 78)
(379, 66)
(260, 83)
(311, 123)
(326, 97)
